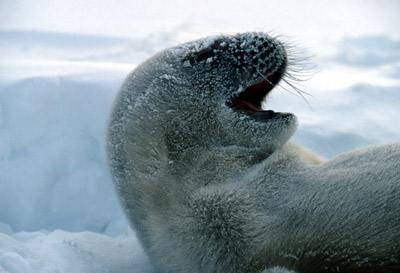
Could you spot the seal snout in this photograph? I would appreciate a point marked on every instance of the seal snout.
(262, 61)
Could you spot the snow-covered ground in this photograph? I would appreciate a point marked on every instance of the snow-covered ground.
(58, 211)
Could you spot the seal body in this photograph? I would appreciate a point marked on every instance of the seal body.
(209, 183)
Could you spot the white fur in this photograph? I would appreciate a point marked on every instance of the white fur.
(209, 189)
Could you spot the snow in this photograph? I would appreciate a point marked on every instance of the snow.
(61, 251)
(59, 212)
(58, 209)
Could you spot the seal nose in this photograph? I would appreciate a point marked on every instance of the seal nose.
(257, 53)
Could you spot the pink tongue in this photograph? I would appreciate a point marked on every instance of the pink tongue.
(242, 104)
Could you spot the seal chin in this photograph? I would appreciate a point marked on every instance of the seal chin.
(249, 101)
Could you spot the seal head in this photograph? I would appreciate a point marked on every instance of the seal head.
(230, 77)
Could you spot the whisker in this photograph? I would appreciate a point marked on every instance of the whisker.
(265, 78)
(298, 91)
(292, 85)
(289, 91)
(299, 69)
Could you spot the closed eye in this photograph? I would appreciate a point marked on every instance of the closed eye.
(203, 56)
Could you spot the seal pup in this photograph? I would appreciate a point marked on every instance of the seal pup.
(209, 182)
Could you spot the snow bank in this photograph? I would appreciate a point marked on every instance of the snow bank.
(60, 251)
(52, 164)
(58, 207)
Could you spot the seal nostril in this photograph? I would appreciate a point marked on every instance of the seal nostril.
(237, 54)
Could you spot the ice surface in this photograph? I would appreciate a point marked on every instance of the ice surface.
(58, 209)
(61, 251)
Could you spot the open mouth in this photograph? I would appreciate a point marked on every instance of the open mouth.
(250, 100)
